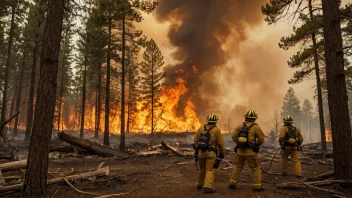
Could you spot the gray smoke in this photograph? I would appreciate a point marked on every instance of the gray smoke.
(199, 29)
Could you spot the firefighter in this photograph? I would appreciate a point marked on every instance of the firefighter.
(209, 146)
(248, 137)
(290, 140)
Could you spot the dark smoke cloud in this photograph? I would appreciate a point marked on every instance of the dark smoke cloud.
(199, 29)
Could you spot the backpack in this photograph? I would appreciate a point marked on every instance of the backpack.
(291, 136)
(203, 143)
(243, 136)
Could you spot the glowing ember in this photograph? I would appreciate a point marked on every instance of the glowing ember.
(194, 69)
(328, 135)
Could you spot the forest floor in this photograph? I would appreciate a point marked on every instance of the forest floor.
(168, 175)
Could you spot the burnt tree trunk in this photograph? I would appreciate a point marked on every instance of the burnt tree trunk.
(14, 94)
(152, 91)
(62, 80)
(107, 87)
(123, 74)
(33, 71)
(317, 75)
(18, 99)
(81, 133)
(337, 92)
(37, 167)
(8, 63)
(92, 147)
(12, 108)
(98, 105)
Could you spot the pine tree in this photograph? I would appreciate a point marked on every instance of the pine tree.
(82, 66)
(133, 92)
(35, 183)
(337, 91)
(130, 12)
(152, 78)
(36, 19)
(106, 14)
(309, 38)
(291, 106)
(65, 70)
(97, 40)
(307, 113)
(16, 11)
(13, 5)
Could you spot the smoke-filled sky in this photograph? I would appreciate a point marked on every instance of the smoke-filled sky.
(235, 53)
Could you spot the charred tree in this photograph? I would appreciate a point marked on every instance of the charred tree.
(35, 184)
(18, 99)
(107, 87)
(123, 78)
(98, 104)
(62, 81)
(317, 75)
(81, 134)
(14, 94)
(8, 62)
(36, 48)
(337, 92)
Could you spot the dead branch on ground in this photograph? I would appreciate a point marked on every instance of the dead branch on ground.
(172, 148)
(101, 172)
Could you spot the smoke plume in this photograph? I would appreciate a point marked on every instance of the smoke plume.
(208, 35)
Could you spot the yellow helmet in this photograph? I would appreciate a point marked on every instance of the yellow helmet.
(288, 120)
(212, 118)
(251, 115)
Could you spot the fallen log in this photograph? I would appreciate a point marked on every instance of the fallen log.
(155, 147)
(172, 148)
(324, 190)
(91, 146)
(147, 153)
(62, 148)
(9, 166)
(320, 177)
(100, 172)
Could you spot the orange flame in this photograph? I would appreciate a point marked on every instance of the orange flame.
(328, 135)
(165, 117)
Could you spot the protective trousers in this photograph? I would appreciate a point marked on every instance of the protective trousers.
(254, 163)
(291, 151)
(206, 172)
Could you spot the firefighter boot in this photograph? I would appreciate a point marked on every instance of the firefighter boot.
(258, 189)
(232, 186)
(209, 190)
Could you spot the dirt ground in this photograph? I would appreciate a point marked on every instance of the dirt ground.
(168, 175)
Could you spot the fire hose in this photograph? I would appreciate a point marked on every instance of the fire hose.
(271, 162)
(300, 149)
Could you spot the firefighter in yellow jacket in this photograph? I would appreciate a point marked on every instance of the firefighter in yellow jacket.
(209, 150)
(248, 137)
(290, 140)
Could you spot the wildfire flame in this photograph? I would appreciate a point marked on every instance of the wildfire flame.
(165, 118)
(328, 135)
